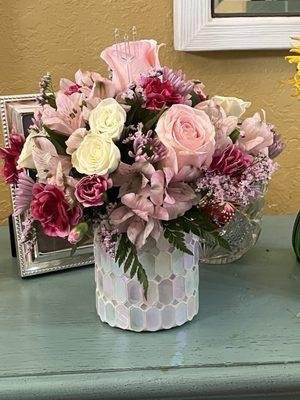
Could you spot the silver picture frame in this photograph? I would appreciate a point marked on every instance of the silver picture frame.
(47, 254)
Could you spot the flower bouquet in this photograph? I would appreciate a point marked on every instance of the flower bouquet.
(152, 167)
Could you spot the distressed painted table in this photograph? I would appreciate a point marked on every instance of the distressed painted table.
(245, 342)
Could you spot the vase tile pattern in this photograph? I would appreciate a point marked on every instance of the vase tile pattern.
(172, 296)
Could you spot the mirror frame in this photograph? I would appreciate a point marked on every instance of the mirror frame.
(196, 30)
(35, 262)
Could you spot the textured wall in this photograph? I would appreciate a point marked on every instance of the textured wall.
(61, 36)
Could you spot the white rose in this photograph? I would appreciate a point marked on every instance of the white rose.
(25, 159)
(96, 155)
(232, 105)
(108, 118)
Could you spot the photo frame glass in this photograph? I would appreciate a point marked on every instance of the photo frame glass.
(45, 254)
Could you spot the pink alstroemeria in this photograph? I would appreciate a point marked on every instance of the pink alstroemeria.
(92, 86)
(145, 58)
(68, 116)
(148, 196)
(224, 125)
(255, 135)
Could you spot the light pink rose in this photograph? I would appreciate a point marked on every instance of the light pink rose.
(145, 54)
(255, 135)
(189, 136)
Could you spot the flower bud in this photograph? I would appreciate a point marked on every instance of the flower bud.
(78, 233)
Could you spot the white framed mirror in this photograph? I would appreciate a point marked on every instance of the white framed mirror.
(207, 25)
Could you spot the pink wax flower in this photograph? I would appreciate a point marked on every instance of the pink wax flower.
(90, 190)
(68, 116)
(145, 57)
(189, 136)
(159, 94)
(10, 156)
(231, 161)
(255, 135)
(52, 210)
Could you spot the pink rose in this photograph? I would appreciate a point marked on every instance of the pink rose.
(189, 136)
(90, 190)
(145, 53)
(255, 135)
(52, 210)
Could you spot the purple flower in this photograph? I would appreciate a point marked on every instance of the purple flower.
(146, 147)
(277, 146)
(23, 193)
(178, 81)
(90, 190)
(230, 162)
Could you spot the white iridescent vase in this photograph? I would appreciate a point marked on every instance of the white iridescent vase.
(172, 297)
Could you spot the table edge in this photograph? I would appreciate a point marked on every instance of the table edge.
(256, 380)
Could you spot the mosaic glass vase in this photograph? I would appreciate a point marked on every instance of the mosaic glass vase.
(241, 233)
(172, 297)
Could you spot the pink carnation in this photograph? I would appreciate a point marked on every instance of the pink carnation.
(51, 209)
(230, 162)
(90, 190)
(159, 94)
(10, 156)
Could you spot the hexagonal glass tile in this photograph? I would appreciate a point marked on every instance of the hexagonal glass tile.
(163, 264)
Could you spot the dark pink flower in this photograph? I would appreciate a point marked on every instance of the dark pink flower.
(10, 156)
(90, 190)
(159, 94)
(52, 210)
(221, 214)
(73, 89)
(230, 162)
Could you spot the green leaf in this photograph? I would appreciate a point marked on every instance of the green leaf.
(194, 221)
(195, 99)
(122, 250)
(176, 238)
(127, 255)
(58, 140)
(73, 249)
(151, 122)
(142, 278)
(234, 135)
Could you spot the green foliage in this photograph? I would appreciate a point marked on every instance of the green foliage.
(195, 99)
(296, 237)
(234, 135)
(58, 140)
(126, 255)
(194, 221)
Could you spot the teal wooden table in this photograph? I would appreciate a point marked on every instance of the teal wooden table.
(244, 344)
